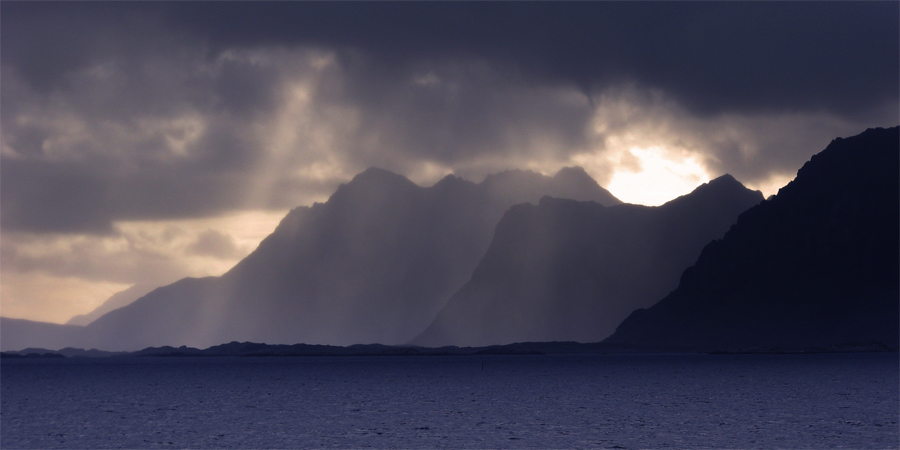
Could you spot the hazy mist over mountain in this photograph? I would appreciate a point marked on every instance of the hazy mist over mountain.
(375, 263)
(18, 334)
(564, 270)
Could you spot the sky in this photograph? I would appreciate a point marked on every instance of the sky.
(145, 142)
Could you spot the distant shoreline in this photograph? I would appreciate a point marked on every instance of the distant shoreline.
(250, 349)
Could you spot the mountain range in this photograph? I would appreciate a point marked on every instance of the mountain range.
(375, 263)
(527, 257)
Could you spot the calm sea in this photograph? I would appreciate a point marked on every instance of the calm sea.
(606, 401)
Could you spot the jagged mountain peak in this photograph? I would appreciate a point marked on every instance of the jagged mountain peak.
(724, 184)
(726, 180)
(721, 183)
(574, 174)
(375, 177)
(371, 187)
(569, 182)
(722, 188)
(451, 180)
(574, 182)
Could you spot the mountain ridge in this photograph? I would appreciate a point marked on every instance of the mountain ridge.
(568, 270)
(117, 300)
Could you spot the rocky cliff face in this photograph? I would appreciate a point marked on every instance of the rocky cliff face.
(816, 265)
(564, 270)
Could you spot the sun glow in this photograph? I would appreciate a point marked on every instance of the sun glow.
(772, 184)
(49, 298)
(652, 177)
(82, 271)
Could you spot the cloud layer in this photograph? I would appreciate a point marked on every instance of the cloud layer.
(122, 113)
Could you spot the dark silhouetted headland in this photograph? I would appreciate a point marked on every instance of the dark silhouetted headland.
(814, 266)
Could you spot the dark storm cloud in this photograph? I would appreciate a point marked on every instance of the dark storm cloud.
(714, 56)
(54, 197)
(160, 110)
(64, 197)
(450, 111)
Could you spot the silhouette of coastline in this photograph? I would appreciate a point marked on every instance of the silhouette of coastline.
(251, 349)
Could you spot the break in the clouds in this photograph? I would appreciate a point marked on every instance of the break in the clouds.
(120, 118)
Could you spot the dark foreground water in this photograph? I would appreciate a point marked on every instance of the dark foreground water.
(621, 401)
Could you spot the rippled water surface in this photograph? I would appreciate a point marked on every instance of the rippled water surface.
(614, 401)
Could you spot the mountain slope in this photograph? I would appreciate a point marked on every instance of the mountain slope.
(566, 270)
(18, 334)
(373, 264)
(817, 265)
(117, 300)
